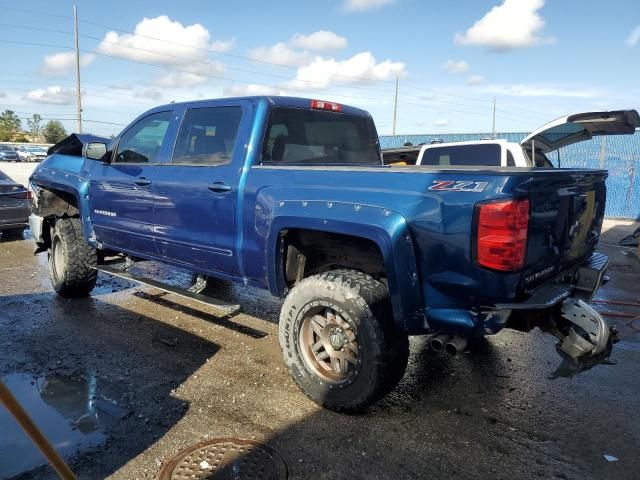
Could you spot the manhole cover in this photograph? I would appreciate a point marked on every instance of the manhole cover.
(225, 459)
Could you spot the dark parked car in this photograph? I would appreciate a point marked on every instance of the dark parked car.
(8, 154)
(15, 207)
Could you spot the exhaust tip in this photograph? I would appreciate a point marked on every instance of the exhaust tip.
(455, 345)
(451, 349)
(438, 342)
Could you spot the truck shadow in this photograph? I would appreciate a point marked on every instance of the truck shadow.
(95, 377)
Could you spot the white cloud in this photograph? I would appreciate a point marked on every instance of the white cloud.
(280, 53)
(63, 62)
(222, 46)
(475, 80)
(513, 24)
(361, 5)
(320, 41)
(523, 90)
(56, 95)
(2, 94)
(150, 93)
(189, 75)
(166, 42)
(453, 66)
(441, 123)
(244, 90)
(634, 37)
(362, 68)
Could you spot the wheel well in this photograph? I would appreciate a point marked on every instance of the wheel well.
(52, 204)
(309, 252)
(56, 203)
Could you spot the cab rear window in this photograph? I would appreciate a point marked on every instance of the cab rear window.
(297, 136)
(459, 155)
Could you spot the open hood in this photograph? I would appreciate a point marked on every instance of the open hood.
(582, 126)
(72, 145)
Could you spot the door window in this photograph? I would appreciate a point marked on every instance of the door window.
(207, 136)
(143, 142)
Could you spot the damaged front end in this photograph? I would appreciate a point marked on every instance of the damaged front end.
(562, 310)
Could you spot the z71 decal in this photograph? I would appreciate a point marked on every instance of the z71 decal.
(453, 186)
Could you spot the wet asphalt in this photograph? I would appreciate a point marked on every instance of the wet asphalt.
(125, 379)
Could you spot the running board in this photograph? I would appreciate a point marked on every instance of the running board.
(227, 308)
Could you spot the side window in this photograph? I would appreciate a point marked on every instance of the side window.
(510, 160)
(207, 136)
(142, 142)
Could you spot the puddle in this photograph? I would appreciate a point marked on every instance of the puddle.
(68, 410)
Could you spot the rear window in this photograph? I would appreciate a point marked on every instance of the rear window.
(313, 137)
(3, 176)
(459, 155)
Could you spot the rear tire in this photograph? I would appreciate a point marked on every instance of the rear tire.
(71, 261)
(334, 315)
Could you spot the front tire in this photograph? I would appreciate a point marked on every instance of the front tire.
(71, 261)
(338, 340)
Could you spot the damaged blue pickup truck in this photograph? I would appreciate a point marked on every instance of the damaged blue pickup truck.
(291, 195)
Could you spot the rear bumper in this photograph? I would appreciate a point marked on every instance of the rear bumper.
(14, 217)
(584, 283)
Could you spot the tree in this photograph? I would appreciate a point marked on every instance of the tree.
(53, 131)
(34, 126)
(9, 125)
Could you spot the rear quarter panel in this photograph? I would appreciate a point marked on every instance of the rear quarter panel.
(424, 235)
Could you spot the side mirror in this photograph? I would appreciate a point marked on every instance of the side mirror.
(94, 150)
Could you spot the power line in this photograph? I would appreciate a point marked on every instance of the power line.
(169, 67)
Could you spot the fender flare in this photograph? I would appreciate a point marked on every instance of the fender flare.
(385, 228)
(75, 185)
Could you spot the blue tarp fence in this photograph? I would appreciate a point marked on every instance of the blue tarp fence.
(619, 154)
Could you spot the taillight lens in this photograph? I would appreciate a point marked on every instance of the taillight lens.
(322, 105)
(24, 195)
(502, 234)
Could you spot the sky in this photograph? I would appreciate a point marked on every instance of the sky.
(539, 59)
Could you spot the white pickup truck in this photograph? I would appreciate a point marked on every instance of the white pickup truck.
(538, 145)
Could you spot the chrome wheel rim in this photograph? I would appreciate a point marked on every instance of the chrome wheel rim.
(329, 346)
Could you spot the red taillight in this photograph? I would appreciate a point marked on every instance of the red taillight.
(502, 234)
(322, 105)
(24, 195)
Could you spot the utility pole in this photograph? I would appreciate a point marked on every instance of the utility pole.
(493, 129)
(78, 95)
(395, 107)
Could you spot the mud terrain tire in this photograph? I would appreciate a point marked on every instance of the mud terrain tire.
(362, 306)
(71, 261)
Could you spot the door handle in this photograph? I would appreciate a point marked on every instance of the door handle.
(219, 187)
(142, 181)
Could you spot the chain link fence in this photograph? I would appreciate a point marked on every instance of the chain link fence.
(619, 154)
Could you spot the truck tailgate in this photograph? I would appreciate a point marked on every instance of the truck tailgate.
(567, 208)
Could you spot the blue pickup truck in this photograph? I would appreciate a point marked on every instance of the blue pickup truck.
(291, 195)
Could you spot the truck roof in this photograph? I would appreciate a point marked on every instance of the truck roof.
(279, 101)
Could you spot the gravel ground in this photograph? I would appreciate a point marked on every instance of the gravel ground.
(172, 373)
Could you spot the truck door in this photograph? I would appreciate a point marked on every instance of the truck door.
(196, 194)
(121, 192)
